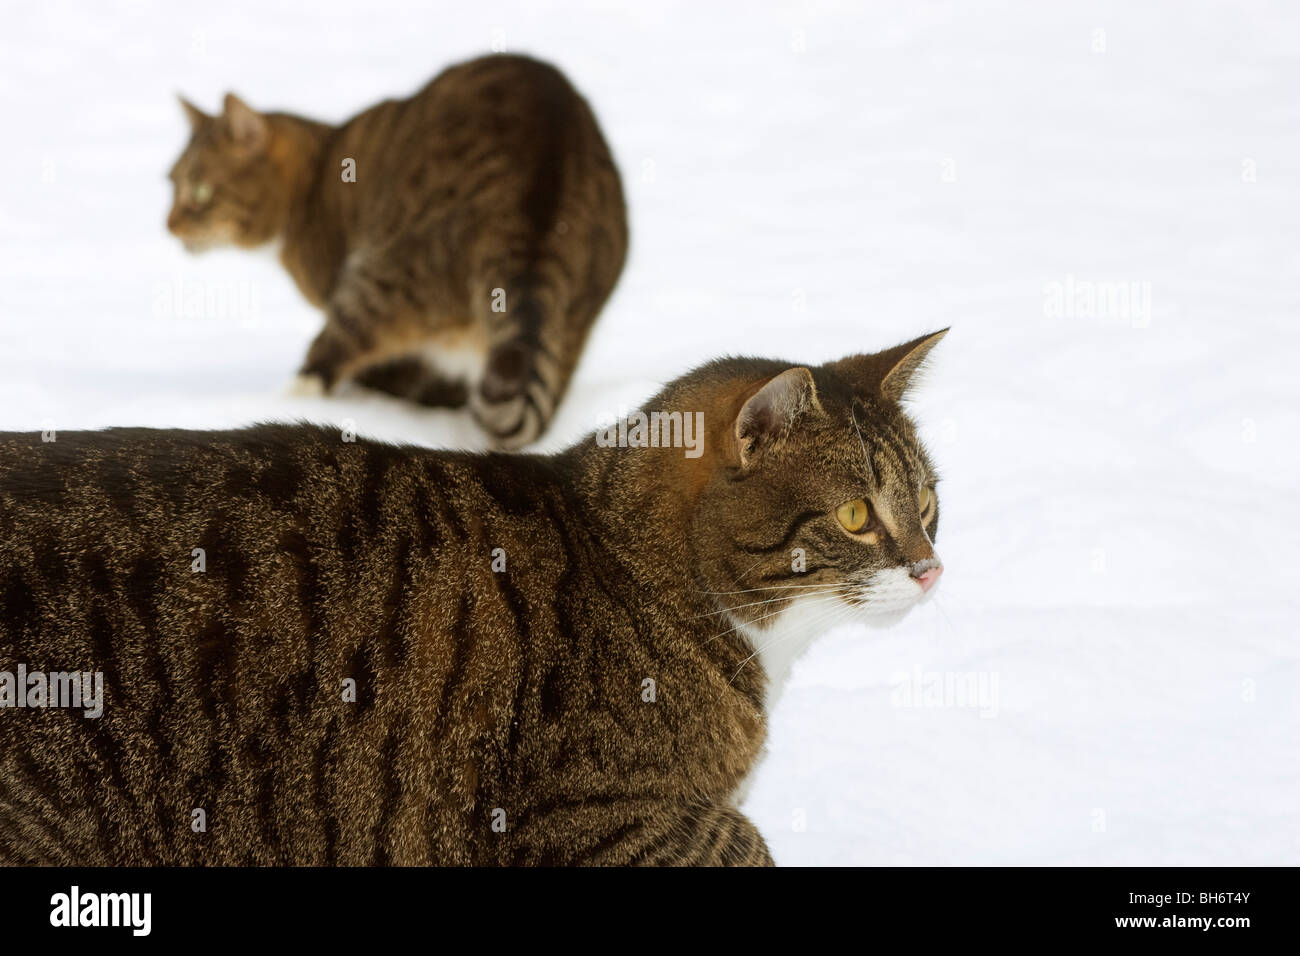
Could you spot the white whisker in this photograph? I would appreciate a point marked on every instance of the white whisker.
(772, 600)
(832, 613)
(775, 587)
(761, 617)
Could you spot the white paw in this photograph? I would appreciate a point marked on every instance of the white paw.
(306, 386)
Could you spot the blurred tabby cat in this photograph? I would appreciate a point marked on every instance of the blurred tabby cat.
(553, 660)
(480, 221)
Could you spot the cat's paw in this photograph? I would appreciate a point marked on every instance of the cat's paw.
(511, 405)
(306, 386)
(511, 423)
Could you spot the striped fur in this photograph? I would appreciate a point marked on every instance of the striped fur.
(502, 714)
(486, 210)
(328, 560)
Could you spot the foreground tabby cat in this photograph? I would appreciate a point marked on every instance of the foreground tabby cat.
(483, 215)
(317, 651)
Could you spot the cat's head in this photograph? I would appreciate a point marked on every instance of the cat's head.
(226, 189)
(819, 491)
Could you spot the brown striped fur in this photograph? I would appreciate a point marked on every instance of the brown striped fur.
(518, 689)
(486, 215)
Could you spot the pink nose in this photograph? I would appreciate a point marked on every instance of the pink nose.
(928, 577)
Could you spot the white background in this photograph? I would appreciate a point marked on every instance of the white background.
(808, 180)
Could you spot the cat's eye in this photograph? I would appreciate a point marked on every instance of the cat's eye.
(853, 514)
(201, 193)
(926, 500)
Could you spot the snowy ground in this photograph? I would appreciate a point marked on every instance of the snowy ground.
(1120, 494)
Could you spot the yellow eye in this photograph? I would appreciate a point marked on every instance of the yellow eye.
(927, 499)
(201, 193)
(853, 514)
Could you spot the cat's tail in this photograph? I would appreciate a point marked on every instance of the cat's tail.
(525, 375)
(563, 254)
(536, 337)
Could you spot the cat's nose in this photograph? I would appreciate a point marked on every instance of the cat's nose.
(928, 577)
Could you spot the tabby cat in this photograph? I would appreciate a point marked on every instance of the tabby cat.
(319, 651)
(461, 241)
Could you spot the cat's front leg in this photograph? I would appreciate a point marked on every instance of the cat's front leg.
(341, 348)
(367, 319)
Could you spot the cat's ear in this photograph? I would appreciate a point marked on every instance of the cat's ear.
(195, 115)
(888, 373)
(773, 410)
(247, 127)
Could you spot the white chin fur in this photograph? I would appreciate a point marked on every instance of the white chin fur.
(889, 595)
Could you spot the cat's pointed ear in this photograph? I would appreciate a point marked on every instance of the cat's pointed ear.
(769, 414)
(904, 361)
(247, 127)
(888, 373)
(195, 115)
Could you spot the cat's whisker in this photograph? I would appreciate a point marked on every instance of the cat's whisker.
(762, 617)
(772, 600)
(775, 587)
(732, 630)
(748, 570)
(822, 615)
(944, 614)
(832, 614)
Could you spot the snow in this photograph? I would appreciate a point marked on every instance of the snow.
(808, 180)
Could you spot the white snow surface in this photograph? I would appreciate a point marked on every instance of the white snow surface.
(806, 180)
